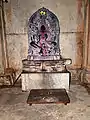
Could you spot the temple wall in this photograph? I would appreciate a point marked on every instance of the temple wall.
(71, 17)
(17, 14)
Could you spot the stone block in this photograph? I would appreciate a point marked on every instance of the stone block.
(45, 81)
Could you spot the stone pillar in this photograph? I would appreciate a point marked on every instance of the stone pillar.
(79, 34)
(3, 37)
(86, 45)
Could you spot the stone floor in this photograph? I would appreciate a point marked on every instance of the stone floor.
(13, 106)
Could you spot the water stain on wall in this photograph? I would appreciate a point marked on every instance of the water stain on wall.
(80, 33)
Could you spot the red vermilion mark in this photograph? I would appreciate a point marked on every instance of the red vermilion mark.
(42, 44)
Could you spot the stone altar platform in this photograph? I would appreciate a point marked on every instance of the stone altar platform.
(46, 75)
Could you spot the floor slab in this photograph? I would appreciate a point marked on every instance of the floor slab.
(13, 106)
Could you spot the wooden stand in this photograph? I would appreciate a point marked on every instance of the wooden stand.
(42, 96)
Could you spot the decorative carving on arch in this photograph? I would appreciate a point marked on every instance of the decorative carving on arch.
(43, 35)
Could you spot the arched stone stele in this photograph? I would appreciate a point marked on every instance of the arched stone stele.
(43, 35)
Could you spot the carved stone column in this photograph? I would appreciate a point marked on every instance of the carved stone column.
(3, 38)
(86, 45)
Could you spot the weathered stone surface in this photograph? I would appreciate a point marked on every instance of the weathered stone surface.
(45, 81)
(70, 14)
(1, 65)
(65, 11)
(68, 46)
(17, 14)
(13, 106)
(4, 81)
(47, 65)
(18, 48)
(76, 75)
